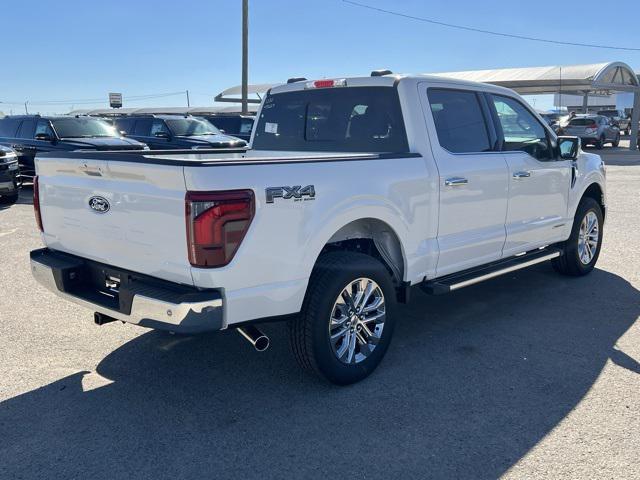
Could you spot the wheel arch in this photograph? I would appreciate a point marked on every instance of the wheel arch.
(595, 191)
(373, 237)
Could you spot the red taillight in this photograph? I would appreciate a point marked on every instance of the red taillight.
(36, 202)
(216, 225)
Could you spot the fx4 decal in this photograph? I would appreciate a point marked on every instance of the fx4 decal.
(296, 192)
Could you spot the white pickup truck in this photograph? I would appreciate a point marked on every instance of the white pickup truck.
(354, 190)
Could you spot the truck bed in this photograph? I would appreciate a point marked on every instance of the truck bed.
(144, 229)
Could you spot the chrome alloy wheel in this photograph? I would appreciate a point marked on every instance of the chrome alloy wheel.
(357, 320)
(588, 238)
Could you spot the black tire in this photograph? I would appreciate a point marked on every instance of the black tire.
(616, 142)
(569, 263)
(309, 331)
(600, 143)
(9, 199)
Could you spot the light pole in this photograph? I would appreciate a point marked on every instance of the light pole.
(245, 54)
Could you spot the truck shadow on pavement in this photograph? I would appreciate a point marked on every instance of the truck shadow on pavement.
(471, 383)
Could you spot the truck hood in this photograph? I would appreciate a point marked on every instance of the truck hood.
(216, 140)
(105, 143)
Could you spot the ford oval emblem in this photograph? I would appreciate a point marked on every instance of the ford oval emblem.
(99, 204)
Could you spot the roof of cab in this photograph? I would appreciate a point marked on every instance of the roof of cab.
(390, 81)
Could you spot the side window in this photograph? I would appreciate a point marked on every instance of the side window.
(27, 127)
(158, 126)
(230, 125)
(521, 129)
(43, 127)
(143, 127)
(246, 124)
(459, 120)
(8, 127)
(124, 125)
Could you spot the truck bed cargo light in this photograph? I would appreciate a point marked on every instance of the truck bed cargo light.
(327, 83)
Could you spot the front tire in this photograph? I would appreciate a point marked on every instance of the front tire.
(582, 249)
(347, 318)
(616, 142)
(9, 199)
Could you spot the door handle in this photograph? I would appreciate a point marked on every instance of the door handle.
(455, 181)
(524, 174)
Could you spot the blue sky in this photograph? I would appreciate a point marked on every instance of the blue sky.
(77, 50)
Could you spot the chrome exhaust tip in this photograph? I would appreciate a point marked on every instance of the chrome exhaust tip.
(255, 337)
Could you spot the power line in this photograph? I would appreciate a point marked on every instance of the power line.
(488, 32)
(90, 101)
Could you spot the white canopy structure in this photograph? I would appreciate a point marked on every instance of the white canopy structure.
(232, 94)
(585, 80)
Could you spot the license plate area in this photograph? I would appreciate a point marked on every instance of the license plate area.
(98, 284)
(113, 287)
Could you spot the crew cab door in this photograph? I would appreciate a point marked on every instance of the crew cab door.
(24, 144)
(539, 181)
(473, 179)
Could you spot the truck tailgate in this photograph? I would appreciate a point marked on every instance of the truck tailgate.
(140, 227)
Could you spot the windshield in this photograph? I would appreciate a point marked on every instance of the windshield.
(82, 128)
(189, 127)
(356, 119)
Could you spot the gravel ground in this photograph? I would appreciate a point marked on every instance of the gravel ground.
(531, 375)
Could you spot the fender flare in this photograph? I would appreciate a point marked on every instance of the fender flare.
(383, 213)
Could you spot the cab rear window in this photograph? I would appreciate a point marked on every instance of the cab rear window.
(582, 122)
(355, 119)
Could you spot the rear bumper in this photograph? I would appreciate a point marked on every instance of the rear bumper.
(137, 299)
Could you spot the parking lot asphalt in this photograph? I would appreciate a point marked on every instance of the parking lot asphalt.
(531, 375)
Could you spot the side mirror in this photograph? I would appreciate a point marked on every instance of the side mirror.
(161, 135)
(123, 133)
(569, 147)
(45, 137)
(222, 131)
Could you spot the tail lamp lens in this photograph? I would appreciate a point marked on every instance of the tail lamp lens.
(216, 225)
(36, 202)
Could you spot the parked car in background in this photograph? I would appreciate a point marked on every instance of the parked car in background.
(9, 188)
(238, 125)
(29, 135)
(167, 132)
(619, 118)
(553, 120)
(593, 130)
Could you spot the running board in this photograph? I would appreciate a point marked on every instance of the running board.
(459, 280)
